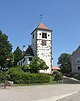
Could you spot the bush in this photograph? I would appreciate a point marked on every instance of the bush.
(1, 77)
(13, 71)
(41, 78)
(28, 78)
(18, 76)
(57, 75)
(26, 68)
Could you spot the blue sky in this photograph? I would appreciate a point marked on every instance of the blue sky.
(18, 18)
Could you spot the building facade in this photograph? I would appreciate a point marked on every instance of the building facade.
(76, 61)
(27, 57)
(42, 45)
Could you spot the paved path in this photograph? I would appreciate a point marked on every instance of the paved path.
(37, 93)
(68, 80)
(73, 97)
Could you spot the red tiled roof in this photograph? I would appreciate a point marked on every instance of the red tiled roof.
(55, 68)
(42, 26)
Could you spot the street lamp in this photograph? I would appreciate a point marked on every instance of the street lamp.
(5, 69)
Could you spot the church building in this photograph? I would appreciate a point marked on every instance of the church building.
(41, 46)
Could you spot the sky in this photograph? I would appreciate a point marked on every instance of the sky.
(18, 18)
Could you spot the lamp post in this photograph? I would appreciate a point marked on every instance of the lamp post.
(5, 69)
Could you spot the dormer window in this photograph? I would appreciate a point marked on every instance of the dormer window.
(44, 35)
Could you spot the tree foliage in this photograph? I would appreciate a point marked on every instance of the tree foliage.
(17, 55)
(57, 75)
(64, 62)
(26, 68)
(37, 64)
(5, 50)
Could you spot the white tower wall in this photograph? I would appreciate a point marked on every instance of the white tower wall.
(42, 45)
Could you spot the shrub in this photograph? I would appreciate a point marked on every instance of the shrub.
(57, 75)
(26, 68)
(28, 78)
(14, 71)
(1, 77)
(41, 78)
(18, 76)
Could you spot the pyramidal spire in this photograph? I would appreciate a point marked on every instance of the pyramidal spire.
(42, 26)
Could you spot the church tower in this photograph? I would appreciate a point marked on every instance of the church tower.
(42, 44)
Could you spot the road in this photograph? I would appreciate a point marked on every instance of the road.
(73, 97)
(37, 93)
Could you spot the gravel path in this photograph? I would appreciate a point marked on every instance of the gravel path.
(37, 93)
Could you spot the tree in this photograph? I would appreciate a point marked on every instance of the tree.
(37, 64)
(26, 68)
(17, 55)
(64, 62)
(5, 50)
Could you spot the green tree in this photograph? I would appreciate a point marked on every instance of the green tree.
(5, 50)
(17, 55)
(26, 68)
(37, 64)
(64, 62)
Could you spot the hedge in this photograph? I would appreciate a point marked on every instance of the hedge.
(1, 77)
(29, 78)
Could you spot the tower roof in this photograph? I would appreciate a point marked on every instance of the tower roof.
(42, 26)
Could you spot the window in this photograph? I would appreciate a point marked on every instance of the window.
(30, 58)
(78, 68)
(43, 42)
(78, 60)
(23, 60)
(44, 35)
(33, 35)
(21, 63)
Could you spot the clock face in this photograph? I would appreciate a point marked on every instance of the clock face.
(43, 42)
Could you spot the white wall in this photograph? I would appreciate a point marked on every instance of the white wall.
(22, 62)
(43, 31)
(45, 52)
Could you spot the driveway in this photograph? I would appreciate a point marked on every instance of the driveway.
(37, 93)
